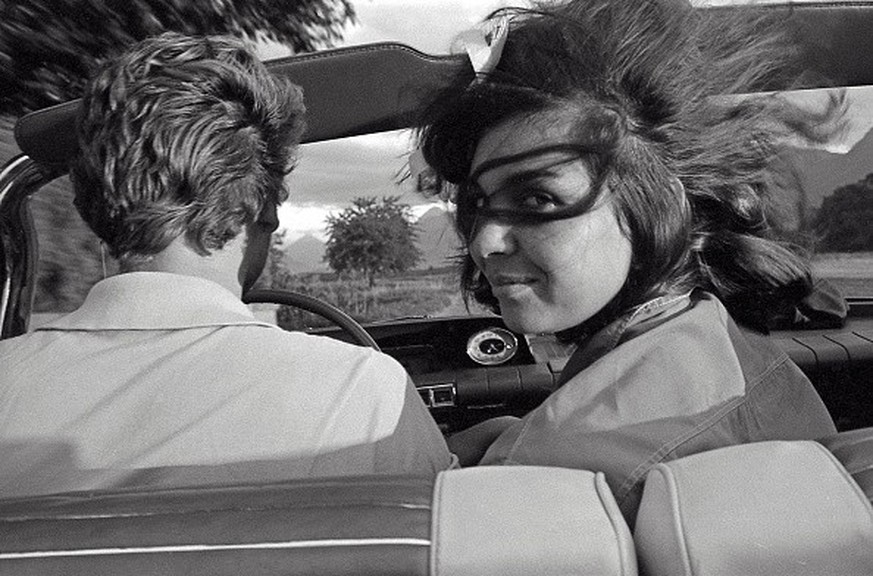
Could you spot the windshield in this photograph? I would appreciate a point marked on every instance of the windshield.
(827, 210)
(823, 211)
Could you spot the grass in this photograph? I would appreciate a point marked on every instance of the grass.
(851, 273)
(436, 293)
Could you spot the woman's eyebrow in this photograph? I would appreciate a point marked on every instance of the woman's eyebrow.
(572, 151)
(524, 176)
(520, 177)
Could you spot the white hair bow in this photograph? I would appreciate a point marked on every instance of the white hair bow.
(484, 45)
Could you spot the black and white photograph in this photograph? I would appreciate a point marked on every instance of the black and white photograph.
(436, 287)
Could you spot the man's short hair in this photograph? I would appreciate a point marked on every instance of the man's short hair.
(183, 136)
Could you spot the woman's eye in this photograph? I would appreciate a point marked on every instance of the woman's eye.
(537, 201)
(514, 201)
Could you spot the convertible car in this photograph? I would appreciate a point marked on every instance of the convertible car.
(763, 508)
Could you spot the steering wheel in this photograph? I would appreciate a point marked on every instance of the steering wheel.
(316, 306)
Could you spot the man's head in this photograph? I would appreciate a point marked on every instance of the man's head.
(184, 138)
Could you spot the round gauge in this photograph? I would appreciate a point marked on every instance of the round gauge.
(492, 346)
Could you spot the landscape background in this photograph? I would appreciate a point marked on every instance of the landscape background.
(69, 260)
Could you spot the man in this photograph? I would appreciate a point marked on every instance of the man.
(163, 376)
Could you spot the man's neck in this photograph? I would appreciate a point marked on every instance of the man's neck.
(221, 266)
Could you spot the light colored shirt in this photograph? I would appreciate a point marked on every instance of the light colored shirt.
(674, 378)
(167, 379)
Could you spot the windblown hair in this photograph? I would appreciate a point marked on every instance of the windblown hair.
(690, 171)
(183, 137)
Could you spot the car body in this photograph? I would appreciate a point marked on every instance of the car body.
(466, 368)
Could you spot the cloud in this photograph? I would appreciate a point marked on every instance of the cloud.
(311, 219)
(331, 174)
(336, 171)
(428, 25)
(857, 120)
(300, 220)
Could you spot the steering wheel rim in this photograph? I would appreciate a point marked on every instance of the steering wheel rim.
(316, 306)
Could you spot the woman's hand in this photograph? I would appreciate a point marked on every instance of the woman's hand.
(471, 444)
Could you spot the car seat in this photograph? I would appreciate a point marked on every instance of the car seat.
(767, 508)
(477, 521)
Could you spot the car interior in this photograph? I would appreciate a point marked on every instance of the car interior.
(799, 507)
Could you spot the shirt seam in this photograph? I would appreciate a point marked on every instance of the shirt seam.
(217, 324)
(614, 334)
(671, 446)
(103, 309)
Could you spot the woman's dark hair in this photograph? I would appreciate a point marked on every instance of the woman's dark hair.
(183, 136)
(690, 169)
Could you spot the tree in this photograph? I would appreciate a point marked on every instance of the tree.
(843, 221)
(372, 238)
(48, 48)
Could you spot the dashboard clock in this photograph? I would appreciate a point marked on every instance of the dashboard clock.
(492, 346)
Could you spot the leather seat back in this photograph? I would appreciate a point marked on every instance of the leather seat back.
(499, 520)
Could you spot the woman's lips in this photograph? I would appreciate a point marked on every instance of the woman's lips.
(511, 280)
(510, 285)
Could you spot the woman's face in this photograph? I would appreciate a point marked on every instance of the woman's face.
(548, 275)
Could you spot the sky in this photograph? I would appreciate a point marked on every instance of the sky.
(331, 174)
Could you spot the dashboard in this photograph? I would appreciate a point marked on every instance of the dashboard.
(470, 368)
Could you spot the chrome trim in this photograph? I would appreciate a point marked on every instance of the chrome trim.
(440, 395)
(492, 346)
(19, 179)
(210, 547)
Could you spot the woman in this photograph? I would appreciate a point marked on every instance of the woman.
(606, 193)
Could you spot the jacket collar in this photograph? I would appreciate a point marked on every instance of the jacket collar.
(631, 324)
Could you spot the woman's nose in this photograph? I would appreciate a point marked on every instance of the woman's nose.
(492, 238)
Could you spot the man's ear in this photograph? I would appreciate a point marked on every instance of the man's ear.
(257, 246)
(268, 218)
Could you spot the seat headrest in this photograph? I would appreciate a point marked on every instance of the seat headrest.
(516, 520)
(755, 509)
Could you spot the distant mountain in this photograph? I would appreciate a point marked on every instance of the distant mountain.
(437, 239)
(305, 255)
(822, 172)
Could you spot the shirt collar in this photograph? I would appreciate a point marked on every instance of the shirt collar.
(155, 301)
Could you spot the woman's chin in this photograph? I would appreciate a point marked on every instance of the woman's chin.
(537, 321)
(526, 323)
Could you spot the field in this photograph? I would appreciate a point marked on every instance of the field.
(422, 293)
(435, 292)
(852, 273)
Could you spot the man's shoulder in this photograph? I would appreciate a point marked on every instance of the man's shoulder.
(23, 349)
(322, 353)
(273, 335)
